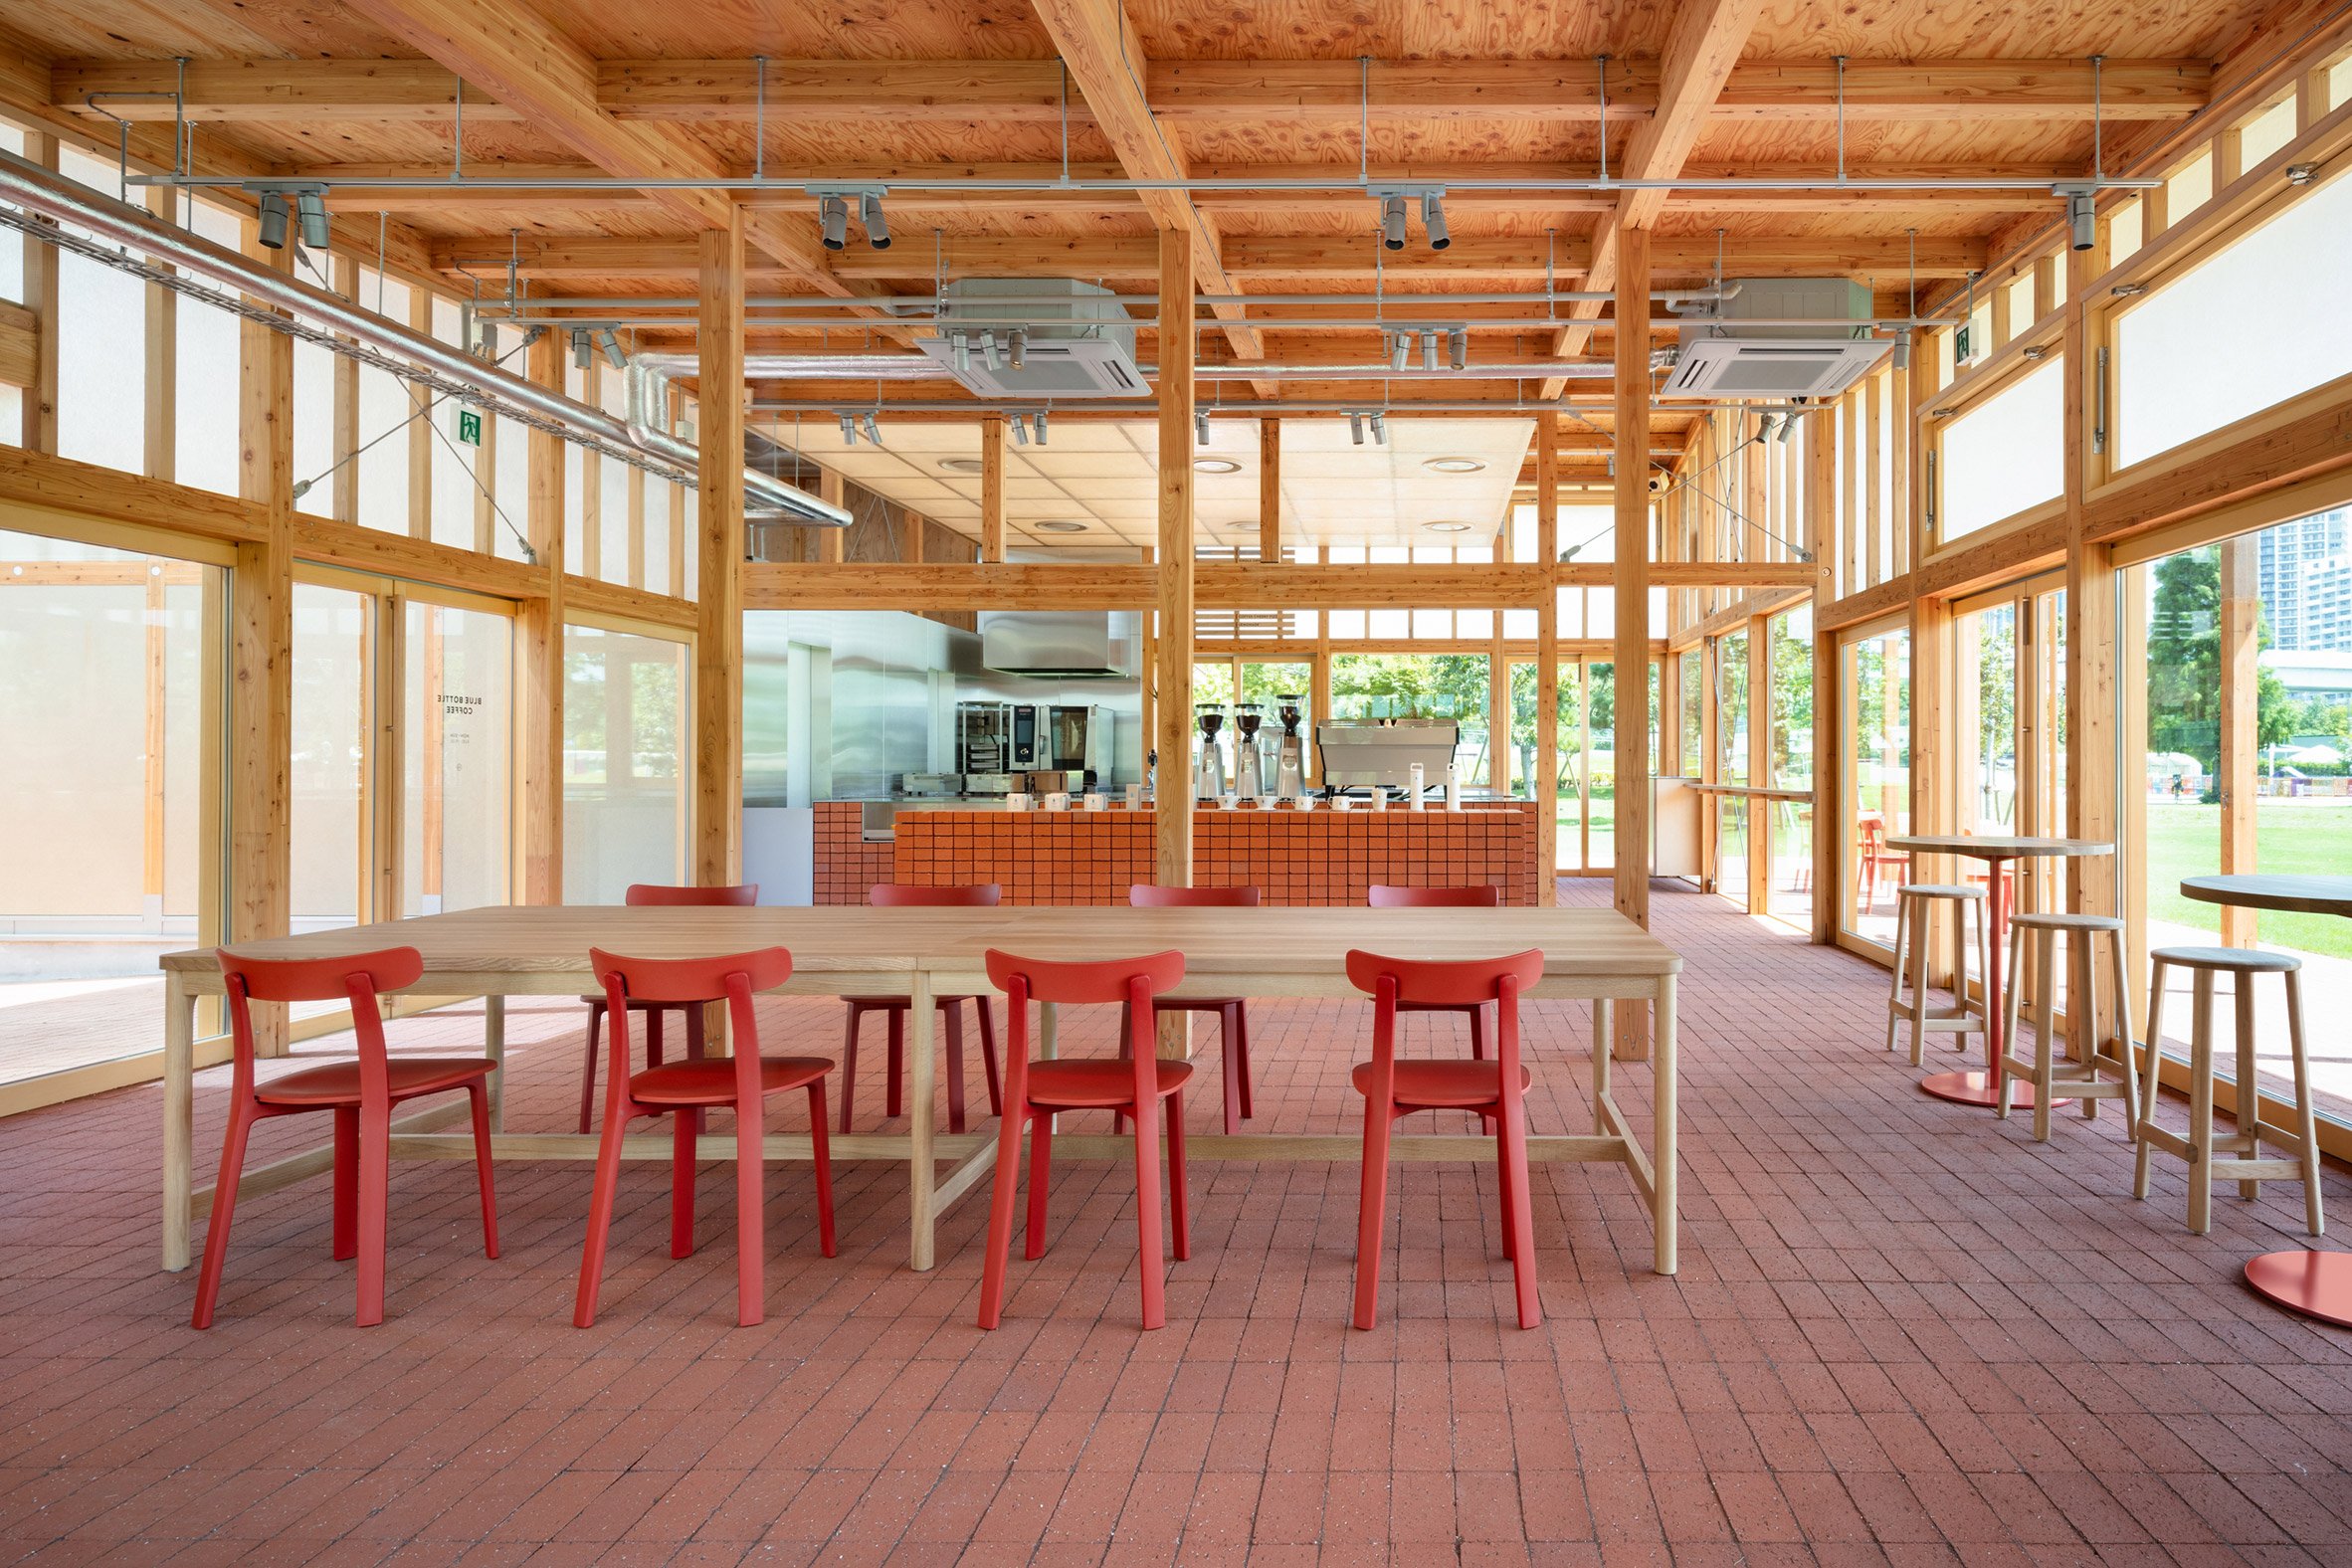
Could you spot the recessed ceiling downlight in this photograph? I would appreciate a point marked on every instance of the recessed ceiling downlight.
(1215, 466)
(960, 464)
(1453, 465)
(1447, 528)
(1061, 525)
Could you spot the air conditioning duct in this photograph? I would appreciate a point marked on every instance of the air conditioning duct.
(1719, 357)
(1087, 350)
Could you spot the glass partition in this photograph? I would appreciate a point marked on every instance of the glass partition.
(1877, 671)
(456, 757)
(624, 763)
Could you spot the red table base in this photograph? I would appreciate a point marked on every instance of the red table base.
(2318, 1284)
(1974, 1088)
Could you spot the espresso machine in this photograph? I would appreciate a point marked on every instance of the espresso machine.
(1290, 749)
(1248, 765)
(1208, 774)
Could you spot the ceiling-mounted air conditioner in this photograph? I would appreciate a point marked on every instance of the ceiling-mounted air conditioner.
(1075, 340)
(1730, 354)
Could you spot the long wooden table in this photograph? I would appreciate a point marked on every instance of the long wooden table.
(496, 954)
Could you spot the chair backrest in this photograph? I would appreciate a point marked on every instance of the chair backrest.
(1385, 895)
(358, 978)
(1091, 980)
(1150, 896)
(732, 978)
(901, 896)
(1446, 983)
(661, 893)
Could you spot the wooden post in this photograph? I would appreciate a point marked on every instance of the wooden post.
(1760, 774)
(344, 493)
(1172, 717)
(719, 638)
(1633, 604)
(833, 544)
(539, 626)
(992, 488)
(419, 434)
(1546, 783)
(163, 357)
(260, 618)
(1830, 710)
(39, 430)
(1269, 491)
(2242, 619)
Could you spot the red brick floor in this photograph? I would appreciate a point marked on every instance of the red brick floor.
(1902, 1333)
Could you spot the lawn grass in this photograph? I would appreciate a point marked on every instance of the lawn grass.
(2298, 838)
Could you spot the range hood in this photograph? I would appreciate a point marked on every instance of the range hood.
(1073, 645)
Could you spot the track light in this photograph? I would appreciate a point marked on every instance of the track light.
(273, 215)
(1200, 427)
(1038, 422)
(310, 208)
(988, 351)
(1787, 423)
(1433, 218)
(2083, 219)
(1019, 431)
(849, 430)
(1392, 222)
(1380, 430)
(878, 227)
(833, 222)
(1765, 423)
(872, 434)
(1017, 348)
(1902, 357)
(611, 344)
(1429, 349)
(1355, 429)
(1400, 350)
(1458, 347)
(963, 353)
(581, 351)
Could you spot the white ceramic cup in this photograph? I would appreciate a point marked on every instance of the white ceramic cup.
(1304, 803)
(1096, 800)
(1343, 803)
(1018, 801)
(1229, 802)
(1058, 800)
(1134, 797)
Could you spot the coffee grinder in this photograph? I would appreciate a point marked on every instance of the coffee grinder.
(1208, 775)
(1249, 766)
(1291, 749)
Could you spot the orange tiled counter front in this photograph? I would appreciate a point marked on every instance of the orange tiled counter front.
(1293, 858)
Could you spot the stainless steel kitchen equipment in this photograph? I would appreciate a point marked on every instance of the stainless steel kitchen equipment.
(1078, 740)
(1290, 749)
(983, 737)
(1380, 754)
(1248, 770)
(1208, 774)
(1050, 781)
(993, 783)
(930, 784)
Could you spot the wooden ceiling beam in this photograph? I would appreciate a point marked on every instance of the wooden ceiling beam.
(999, 91)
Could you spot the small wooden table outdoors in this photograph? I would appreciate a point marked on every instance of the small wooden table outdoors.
(2316, 1283)
(496, 954)
(1976, 1087)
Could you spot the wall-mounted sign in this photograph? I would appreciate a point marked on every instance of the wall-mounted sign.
(470, 427)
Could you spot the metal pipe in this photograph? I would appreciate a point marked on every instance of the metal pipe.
(922, 367)
(929, 303)
(1663, 324)
(1128, 406)
(754, 184)
(51, 195)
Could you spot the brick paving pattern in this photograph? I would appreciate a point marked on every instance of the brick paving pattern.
(1902, 1333)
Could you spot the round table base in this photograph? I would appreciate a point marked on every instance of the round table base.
(1974, 1088)
(2318, 1284)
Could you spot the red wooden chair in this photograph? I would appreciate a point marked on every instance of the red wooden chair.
(741, 1082)
(1233, 1013)
(642, 895)
(360, 1092)
(951, 1014)
(1386, 896)
(1874, 857)
(1134, 1084)
(1495, 1089)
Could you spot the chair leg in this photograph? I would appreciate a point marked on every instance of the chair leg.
(1229, 1040)
(750, 1231)
(848, 1062)
(2306, 1121)
(1118, 1119)
(1148, 1241)
(893, 1076)
(1241, 1019)
(2249, 1120)
(479, 1092)
(1179, 1219)
(821, 1156)
(2201, 1107)
(224, 1208)
(2132, 1071)
(2145, 1114)
(1491, 1121)
(951, 1014)
(600, 1222)
(2012, 1010)
(1922, 940)
(1372, 1207)
(1477, 1020)
(2045, 1028)
(347, 1239)
(1896, 995)
(375, 1182)
(1040, 1167)
(587, 1066)
(1513, 1150)
(684, 1135)
(988, 1065)
(1000, 1215)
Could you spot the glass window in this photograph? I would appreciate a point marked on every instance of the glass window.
(2189, 187)
(2235, 334)
(331, 647)
(2266, 132)
(386, 405)
(102, 334)
(2004, 453)
(205, 407)
(457, 741)
(624, 763)
(1877, 671)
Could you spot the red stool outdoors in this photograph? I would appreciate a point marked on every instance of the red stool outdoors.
(951, 1014)
(1386, 896)
(360, 1092)
(741, 1082)
(1233, 1013)
(1495, 1090)
(1134, 1084)
(648, 895)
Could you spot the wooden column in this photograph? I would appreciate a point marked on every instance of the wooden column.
(538, 626)
(1269, 491)
(833, 544)
(260, 650)
(163, 358)
(718, 636)
(992, 487)
(344, 484)
(1172, 717)
(41, 276)
(1760, 774)
(2242, 619)
(1498, 685)
(2092, 782)
(419, 433)
(1633, 604)
(1832, 748)
(1546, 784)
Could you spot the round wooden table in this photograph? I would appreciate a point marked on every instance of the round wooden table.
(1974, 1088)
(2318, 1284)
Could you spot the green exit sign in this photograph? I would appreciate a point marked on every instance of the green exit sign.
(470, 427)
(1963, 343)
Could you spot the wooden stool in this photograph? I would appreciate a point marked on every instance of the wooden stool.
(1913, 902)
(2245, 1145)
(2085, 1080)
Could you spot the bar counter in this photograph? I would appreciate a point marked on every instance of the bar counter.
(1319, 857)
